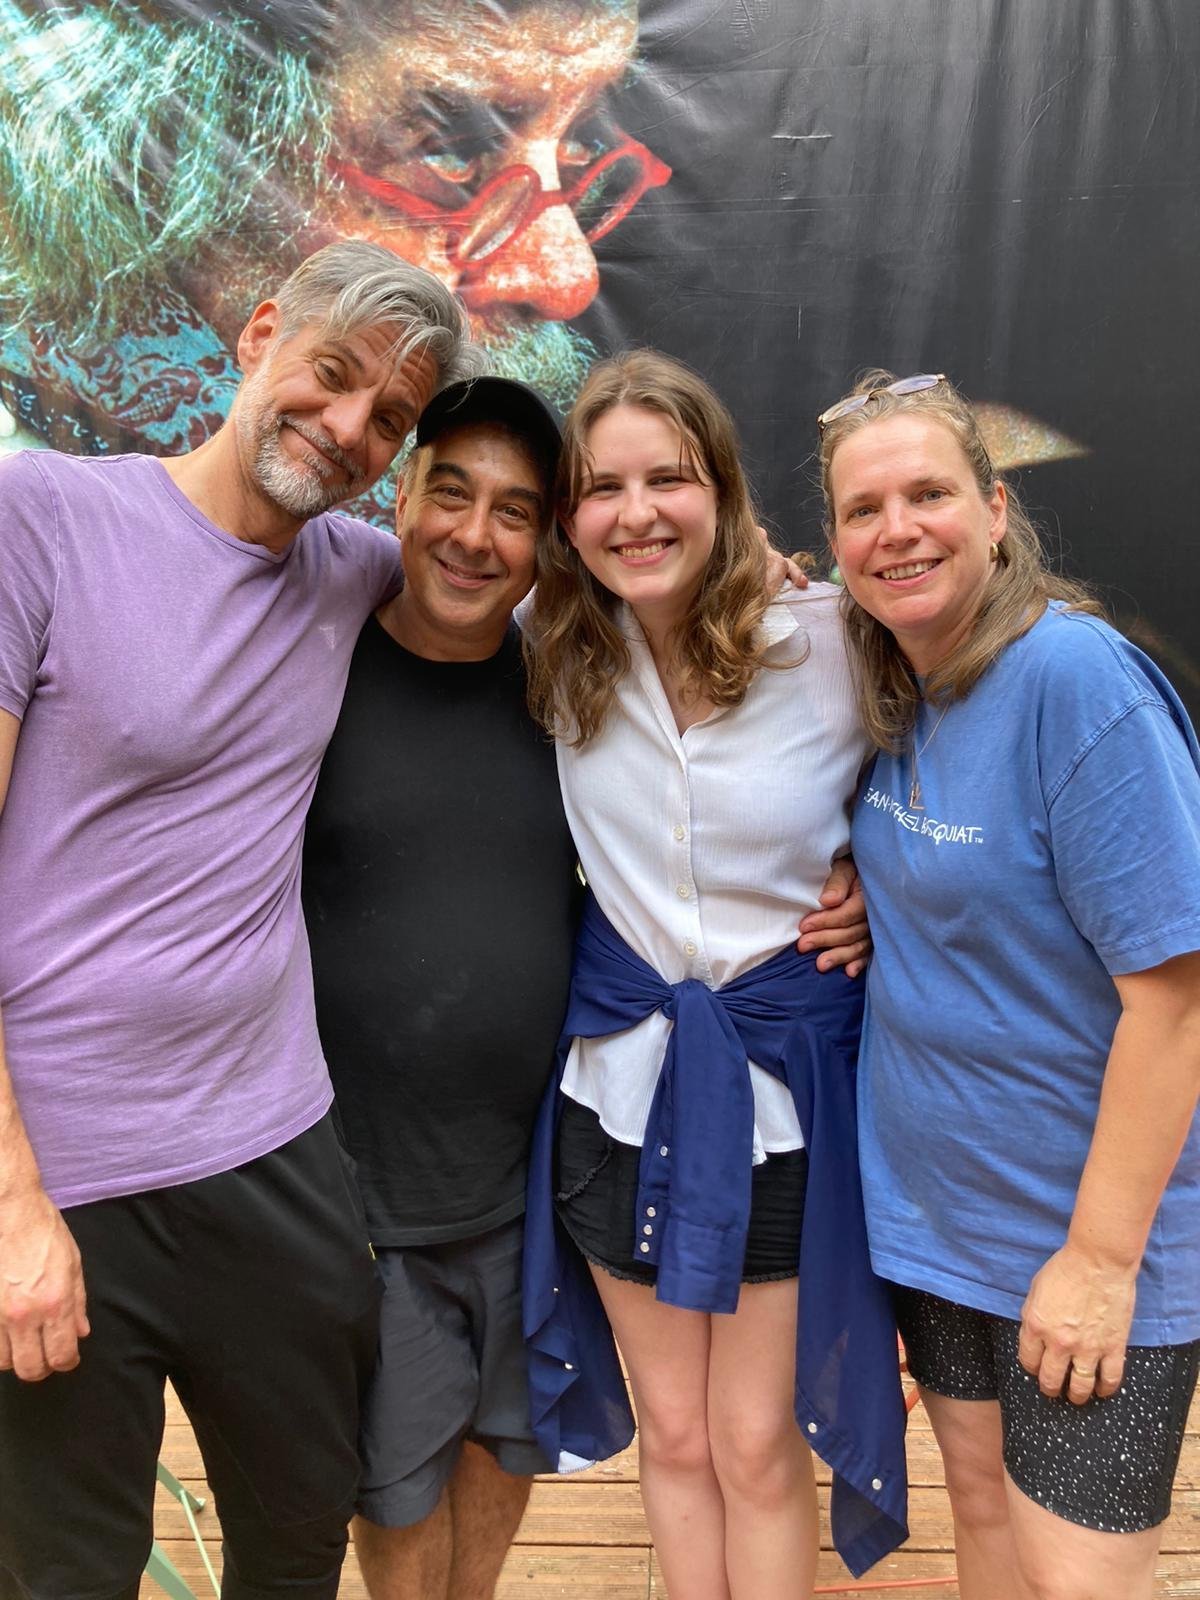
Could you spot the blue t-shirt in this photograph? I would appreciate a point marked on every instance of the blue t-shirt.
(1059, 843)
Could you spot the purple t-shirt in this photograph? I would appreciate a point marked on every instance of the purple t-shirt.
(177, 688)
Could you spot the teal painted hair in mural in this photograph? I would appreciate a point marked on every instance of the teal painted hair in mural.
(164, 164)
(133, 136)
(125, 145)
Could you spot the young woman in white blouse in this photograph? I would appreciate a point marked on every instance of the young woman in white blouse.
(708, 750)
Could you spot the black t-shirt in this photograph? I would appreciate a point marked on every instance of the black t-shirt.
(441, 898)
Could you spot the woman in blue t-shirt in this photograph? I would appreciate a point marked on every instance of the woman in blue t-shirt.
(1030, 841)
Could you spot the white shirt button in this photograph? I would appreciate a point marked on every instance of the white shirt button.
(689, 947)
(877, 1483)
(651, 1211)
(646, 1228)
(644, 1248)
(679, 831)
(663, 1151)
(567, 1367)
(812, 1427)
(682, 891)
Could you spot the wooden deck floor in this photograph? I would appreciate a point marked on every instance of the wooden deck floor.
(585, 1538)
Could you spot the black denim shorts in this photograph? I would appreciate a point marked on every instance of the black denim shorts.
(1108, 1464)
(596, 1196)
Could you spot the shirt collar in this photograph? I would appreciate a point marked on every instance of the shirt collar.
(779, 621)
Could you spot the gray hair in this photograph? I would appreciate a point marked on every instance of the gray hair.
(354, 284)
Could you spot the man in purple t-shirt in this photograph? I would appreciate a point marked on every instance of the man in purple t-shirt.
(174, 641)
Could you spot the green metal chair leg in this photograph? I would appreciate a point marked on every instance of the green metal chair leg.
(166, 1574)
(160, 1567)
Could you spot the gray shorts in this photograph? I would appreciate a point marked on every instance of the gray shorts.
(451, 1367)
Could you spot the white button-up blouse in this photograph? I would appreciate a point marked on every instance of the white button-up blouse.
(705, 848)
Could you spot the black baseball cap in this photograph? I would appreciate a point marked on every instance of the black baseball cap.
(517, 405)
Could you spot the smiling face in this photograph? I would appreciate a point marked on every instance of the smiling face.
(320, 418)
(646, 521)
(426, 117)
(912, 533)
(470, 515)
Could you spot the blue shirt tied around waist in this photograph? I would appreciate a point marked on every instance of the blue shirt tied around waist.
(802, 1026)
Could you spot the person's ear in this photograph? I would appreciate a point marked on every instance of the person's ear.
(998, 510)
(257, 336)
(567, 524)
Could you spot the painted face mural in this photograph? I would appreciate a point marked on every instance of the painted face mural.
(166, 165)
(497, 167)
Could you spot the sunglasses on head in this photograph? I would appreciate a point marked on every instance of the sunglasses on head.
(855, 402)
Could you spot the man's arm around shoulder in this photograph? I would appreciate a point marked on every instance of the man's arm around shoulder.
(43, 1311)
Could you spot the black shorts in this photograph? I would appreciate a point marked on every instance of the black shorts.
(1108, 1464)
(452, 1366)
(255, 1293)
(596, 1196)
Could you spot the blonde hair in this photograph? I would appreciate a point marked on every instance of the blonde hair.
(1019, 586)
(575, 652)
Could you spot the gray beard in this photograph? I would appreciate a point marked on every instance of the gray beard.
(299, 489)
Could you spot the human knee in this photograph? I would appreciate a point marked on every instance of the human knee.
(102, 1582)
(399, 1562)
(759, 1456)
(374, 1542)
(100, 1551)
(977, 1493)
(264, 1563)
(1049, 1573)
(674, 1442)
(1040, 1582)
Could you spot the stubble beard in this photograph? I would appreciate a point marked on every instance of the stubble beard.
(303, 488)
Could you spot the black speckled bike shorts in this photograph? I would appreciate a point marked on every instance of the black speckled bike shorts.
(596, 1195)
(1107, 1465)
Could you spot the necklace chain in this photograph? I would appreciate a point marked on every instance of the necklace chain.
(915, 799)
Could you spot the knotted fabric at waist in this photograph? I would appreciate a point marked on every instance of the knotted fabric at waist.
(802, 1026)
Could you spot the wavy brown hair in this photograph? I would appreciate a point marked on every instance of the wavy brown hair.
(1018, 589)
(574, 648)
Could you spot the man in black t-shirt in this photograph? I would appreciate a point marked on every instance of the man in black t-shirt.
(440, 895)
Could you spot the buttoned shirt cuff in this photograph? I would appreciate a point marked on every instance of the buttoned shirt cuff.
(708, 1260)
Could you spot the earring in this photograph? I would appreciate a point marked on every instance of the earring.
(994, 551)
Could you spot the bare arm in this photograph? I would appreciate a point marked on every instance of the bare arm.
(42, 1307)
(1080, 1304)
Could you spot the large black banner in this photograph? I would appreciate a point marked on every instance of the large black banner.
(780, 191)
